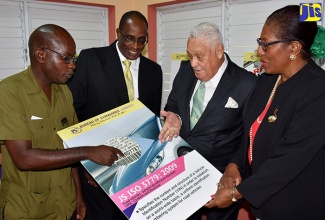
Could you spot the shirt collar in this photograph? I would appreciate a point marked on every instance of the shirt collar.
(31, 83)
(216, 78)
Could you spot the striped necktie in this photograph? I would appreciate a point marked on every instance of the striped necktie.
(197, 108)
(128, 79)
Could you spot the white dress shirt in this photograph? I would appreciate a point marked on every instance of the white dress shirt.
(134, 71)
(211, 85)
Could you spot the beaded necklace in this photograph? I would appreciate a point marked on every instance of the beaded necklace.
(259, 121)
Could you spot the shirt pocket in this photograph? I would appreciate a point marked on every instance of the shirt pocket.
(40, 132)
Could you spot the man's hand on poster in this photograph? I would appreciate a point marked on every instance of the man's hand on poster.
(171, 128)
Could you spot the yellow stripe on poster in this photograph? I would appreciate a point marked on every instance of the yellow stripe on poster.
(99, 120)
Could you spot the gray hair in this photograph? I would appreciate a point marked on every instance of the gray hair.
(208, 31)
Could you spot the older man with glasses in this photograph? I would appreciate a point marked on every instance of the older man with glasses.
(108, 77)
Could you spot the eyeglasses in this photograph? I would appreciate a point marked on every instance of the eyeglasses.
(131, 40)
(67, 59)
(265, 44)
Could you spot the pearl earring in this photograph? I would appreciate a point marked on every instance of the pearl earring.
(292, 57)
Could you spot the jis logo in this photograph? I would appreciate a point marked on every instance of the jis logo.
(310, 11)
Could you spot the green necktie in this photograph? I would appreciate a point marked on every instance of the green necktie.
(128, 79)
(197, 107)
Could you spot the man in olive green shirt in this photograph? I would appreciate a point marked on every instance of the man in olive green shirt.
(38, 182)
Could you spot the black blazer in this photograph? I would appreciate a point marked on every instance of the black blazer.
(287, 177)
(98, 84)
(216, 136)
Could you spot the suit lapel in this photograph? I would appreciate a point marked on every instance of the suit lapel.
(221, 90)
(189, 92)
(115, 73)
(224, 85)
(142, 84)
(262, 94)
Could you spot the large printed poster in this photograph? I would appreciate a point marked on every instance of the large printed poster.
(154, 180)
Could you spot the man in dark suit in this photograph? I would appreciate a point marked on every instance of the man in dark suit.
(215, 134)
(99, 85)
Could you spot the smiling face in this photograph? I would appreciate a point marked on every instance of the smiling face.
(205, 59)
(135, 29)
(275, 59)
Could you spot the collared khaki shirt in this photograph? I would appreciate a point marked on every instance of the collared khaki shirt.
(26, 114)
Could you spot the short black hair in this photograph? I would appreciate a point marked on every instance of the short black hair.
(129, 15)
(287, 25)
